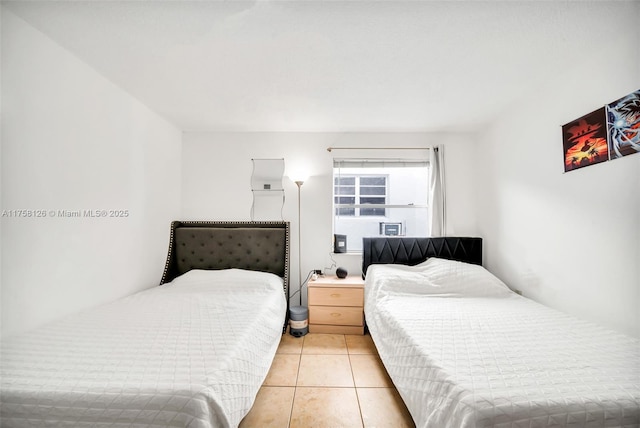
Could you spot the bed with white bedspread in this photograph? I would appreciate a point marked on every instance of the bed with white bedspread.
(465, 351)
(190, 353)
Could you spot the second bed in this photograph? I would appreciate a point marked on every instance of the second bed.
(465, 351)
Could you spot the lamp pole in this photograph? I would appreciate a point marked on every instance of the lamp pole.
(299, 183)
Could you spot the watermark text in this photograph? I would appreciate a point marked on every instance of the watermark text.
(65, 213)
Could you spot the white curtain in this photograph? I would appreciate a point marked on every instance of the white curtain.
(437, 212)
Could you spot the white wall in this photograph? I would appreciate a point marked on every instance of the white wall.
(71, 140)
(216, 171)
(570, 241)
(1, 204)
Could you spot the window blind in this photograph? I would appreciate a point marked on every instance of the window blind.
(379, 163)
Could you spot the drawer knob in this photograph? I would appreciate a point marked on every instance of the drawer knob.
(335, 295)
(335, 314)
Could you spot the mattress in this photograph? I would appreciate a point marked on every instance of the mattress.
(465, 351)
(191, 353)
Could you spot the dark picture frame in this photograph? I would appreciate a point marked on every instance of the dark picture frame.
(584, 140)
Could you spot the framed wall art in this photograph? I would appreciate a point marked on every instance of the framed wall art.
(608, 133)
(623, 122)
(585, 140)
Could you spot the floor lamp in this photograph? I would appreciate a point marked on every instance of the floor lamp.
(299, 315)
(299, 183)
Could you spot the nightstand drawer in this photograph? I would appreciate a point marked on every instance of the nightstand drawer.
(336, 296)
(336, 315)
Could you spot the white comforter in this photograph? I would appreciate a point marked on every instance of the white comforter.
(191, 353)
(464, 351)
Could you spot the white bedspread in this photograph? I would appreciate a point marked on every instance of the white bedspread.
(191, 353)
(464, 351)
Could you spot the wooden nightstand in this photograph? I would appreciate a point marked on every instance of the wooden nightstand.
(336, 305)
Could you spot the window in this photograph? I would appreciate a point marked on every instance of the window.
(357, 190)
(379, 197)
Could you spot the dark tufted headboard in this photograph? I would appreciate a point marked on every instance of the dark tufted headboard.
(255, 245)
(411, 251)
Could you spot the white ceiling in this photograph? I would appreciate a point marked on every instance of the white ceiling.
(329, 65)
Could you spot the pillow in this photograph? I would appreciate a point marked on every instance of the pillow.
(434, 277)
(400, 278)
(462, 278)
(229, 279)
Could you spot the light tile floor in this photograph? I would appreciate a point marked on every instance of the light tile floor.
(327, 381)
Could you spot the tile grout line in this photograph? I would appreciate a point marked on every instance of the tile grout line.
(295, 387)
(355, 389)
